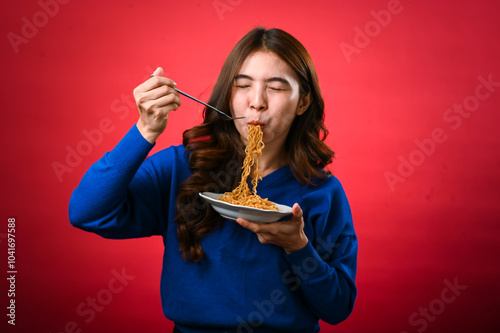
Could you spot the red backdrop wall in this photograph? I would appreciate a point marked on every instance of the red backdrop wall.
(412, 91)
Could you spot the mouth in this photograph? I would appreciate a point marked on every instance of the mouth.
(257, 123)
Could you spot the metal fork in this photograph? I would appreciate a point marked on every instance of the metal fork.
(208, 105)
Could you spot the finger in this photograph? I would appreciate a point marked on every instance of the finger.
(150, 98)
(160, 91)
(171, 100)
(162, 105)
(263, 239)
(158, 72)
(141, 93)
(269, 229)
(157, 81)
(248, 225)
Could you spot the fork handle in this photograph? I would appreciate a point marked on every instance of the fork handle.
(201, 102)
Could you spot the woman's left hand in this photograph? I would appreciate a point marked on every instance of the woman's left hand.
(288, 234)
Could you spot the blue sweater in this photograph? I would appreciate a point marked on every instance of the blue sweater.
(242, 285)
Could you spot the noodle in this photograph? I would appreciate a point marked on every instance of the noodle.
(242, 195)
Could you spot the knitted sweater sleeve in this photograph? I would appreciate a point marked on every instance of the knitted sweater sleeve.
(118, 196)
(325, 269)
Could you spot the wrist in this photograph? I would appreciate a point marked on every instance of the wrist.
(146, 133)
(299, 245)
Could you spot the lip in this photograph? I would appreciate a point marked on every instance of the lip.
(255, 122)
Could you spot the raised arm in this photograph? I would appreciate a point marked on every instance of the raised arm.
(118, 195)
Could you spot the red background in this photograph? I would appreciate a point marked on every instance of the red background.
(437, 224)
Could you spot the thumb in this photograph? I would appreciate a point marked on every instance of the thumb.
(158, 72)
(297, 212)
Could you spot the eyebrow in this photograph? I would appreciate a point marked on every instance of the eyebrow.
(272, 79)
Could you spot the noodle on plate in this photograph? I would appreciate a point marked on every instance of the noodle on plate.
(242, 195)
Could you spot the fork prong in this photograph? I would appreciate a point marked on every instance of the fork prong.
(207, 105)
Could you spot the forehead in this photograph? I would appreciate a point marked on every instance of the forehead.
(264, 64)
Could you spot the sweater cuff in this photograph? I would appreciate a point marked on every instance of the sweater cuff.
(132, 147)
(307, 253)
(307, 256)
(307, 265)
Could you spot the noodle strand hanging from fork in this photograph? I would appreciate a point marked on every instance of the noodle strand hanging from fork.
(241, 195)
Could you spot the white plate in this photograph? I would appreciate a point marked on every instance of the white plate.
(257, 215)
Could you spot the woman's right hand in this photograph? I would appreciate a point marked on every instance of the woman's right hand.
(155, 98)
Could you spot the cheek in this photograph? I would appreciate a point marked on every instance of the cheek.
(236, 106)
(241, 127)
(280, 124)
(285, 115)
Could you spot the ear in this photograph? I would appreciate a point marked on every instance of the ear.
(304, 103)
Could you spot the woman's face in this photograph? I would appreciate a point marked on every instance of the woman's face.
(266, 92)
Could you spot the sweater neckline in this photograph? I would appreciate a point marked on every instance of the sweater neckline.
(275, 176)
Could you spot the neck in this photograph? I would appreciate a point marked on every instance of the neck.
(271, 160)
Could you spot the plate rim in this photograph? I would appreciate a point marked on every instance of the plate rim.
(266, 211)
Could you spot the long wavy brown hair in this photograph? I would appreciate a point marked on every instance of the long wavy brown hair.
(216, 151)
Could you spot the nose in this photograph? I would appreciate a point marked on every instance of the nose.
(258, 99)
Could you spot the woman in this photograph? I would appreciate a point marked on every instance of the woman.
(218, 275)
